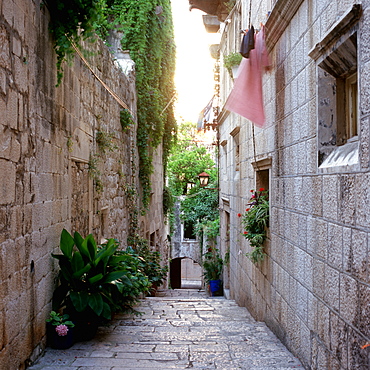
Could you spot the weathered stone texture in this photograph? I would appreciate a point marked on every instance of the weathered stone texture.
(47, 137)
(315, 293)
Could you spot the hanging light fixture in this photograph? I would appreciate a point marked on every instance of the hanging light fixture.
(203, 179)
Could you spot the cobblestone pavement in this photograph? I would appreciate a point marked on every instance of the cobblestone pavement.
(179, 329)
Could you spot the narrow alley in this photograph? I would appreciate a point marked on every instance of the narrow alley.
(179, 329)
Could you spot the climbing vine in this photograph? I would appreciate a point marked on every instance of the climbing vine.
(148, 34)
(71, 22)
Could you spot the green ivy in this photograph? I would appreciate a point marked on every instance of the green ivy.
(71, 22)
(148, 34)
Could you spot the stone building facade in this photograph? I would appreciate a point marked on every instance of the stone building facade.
(312, 154)
(65, 162)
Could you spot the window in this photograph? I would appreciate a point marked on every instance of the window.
(189, 232)
(352, 106)
(235, 135)
(263, 179)
(337, 93)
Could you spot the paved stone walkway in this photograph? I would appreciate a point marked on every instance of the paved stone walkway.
(179, 329)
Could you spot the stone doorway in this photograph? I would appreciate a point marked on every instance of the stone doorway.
(185, 273)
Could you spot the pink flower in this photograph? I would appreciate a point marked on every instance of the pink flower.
(245, 232)
(62, 330)
(262, 189)
(247, 209)
(239, 215)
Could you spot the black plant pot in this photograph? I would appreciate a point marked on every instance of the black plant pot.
(85, 330)
(59, 342)
(86, 325)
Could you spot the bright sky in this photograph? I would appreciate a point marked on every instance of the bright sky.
(194, 66)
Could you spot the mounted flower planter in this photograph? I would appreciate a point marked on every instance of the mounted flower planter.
(211, 23)
(235, 71)
(255, 221)
(232, 62)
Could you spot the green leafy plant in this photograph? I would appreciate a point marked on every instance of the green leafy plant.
(212, 264)
(94, 172)
(72, 21)
(255, 221)
(105, 141)
(56, 319)
(92, 278)
(151, 263)
(126, 119)
(153, 53)
(230, 5)
(154, 56)
(232, 60)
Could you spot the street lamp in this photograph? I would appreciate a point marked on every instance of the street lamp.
(203, 179)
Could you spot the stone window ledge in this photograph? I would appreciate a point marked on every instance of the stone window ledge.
(342, 159)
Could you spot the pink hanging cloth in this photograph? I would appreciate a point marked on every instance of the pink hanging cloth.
(246, 98)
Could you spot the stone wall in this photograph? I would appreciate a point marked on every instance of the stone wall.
(313, 287)
(55, 172)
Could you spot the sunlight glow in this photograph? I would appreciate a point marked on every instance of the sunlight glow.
(194, 66)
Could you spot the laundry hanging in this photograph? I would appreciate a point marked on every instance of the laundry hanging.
(206, 115)
(247, 43)
(246, 98)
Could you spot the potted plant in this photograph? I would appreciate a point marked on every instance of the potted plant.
(212, 265)
(154, 271)
(255, 221)
(232, 62)
(60, 332)
(92, 280)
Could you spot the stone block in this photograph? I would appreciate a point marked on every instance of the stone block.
(7, 182)
(347, 201)
(3, 87)
(358, 358)
(16, 222)
(4, 46)
(319, 278)
(360, 256)
(365, 91)
(17, 47)
(348, 294)
(19, 20)
(12, 109)
(15, 150)
(330, 197)
(5, 141)
(332, 281)
(311, 150)
(362, 200)
(365, 143)
(365, 37)
(302, 303)
(21, 73)
(347, 249)
(335, 246)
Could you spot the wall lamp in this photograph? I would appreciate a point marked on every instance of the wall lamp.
(204, 179)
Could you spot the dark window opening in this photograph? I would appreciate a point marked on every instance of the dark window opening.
(189, 232)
